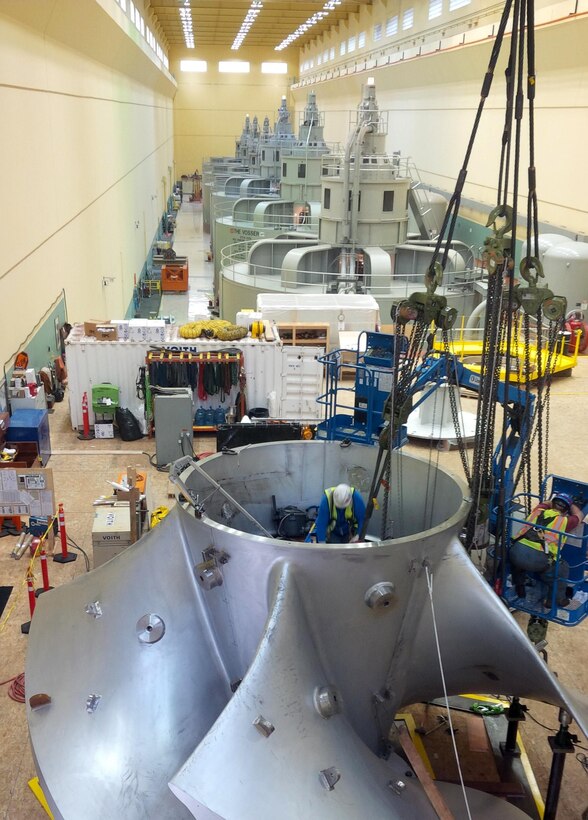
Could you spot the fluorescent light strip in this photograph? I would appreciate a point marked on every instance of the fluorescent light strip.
(329, 6)
(186, 20)
(254, 9)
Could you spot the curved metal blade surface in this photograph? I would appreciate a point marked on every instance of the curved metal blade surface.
(132, 709)
(271, 753)
(155, 701)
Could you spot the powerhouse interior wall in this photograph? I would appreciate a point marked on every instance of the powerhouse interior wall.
(86, 161)
(94, 139)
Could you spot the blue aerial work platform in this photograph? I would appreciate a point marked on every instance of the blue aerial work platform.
(572, 548)
(355, 412)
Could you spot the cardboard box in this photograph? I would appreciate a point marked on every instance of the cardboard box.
(102, 330)
(111, 532)
(104, 429)
(112, 525)
(122, 329)
(147, 330)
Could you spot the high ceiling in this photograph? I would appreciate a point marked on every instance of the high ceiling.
(217, 22)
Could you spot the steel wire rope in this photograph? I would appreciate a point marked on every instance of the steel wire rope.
(452, 359)
(429, 576)
(452, 211)
(496, 314)
(527, 447)
(388, 462)
(427, 518)
(395, 362)
(513, 113)
(486, 407)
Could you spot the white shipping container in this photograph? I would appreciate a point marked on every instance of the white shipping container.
(92, 362)
(342, 311)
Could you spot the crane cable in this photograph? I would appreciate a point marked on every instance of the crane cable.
(500, 325)
(429, 579)
(450, 218)
(403, 381)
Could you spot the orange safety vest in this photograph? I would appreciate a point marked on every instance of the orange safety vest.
(546, 527)
(349, 514)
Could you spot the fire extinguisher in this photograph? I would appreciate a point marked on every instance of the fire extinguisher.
(574, 323)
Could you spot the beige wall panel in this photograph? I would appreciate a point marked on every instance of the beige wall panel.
(82, 165)
(210, 108)
(432, 103)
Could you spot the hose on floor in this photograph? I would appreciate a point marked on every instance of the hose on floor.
(16, 690)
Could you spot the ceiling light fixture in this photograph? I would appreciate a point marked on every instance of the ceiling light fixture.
(187, 26)
(329, 6)
(254, 9)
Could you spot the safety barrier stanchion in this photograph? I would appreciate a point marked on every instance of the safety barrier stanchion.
(44, 573)
(63, 557)
(24, 628)
(85, 435)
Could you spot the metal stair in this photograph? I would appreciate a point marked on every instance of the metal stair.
(418, 199)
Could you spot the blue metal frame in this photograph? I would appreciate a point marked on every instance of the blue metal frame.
(573, 548)
(365, 419)
(519, 405)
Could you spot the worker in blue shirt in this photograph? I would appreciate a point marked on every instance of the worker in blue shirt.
(340, 516)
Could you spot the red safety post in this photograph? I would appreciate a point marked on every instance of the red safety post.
(44, 573)
(63, 557)
(86, 435)
(24, 628)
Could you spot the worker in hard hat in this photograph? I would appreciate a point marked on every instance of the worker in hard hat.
(536, 546)
(340, 516)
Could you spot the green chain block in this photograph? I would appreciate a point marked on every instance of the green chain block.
(528, 264)
(555, 308)
(533, 299)
(494, 246)
(433, 277)
(537, 629)
(428, 307)
(401, 415)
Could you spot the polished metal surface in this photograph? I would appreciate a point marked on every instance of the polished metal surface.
(267, 694)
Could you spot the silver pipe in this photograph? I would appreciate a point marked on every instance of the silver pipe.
(19, 551)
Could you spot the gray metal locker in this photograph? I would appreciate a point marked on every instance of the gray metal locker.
(173, 414)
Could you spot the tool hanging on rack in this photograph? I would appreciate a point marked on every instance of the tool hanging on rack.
(209, 373)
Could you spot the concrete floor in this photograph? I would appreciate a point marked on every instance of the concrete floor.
(81, 470)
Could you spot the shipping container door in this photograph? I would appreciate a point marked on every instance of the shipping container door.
(302, 382)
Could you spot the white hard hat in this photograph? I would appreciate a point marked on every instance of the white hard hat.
(342, 496)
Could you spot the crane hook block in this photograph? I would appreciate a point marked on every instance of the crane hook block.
(529, 264)
(504, 211)
(495, 246)
(433, 276)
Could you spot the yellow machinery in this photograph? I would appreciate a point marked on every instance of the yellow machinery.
(469, 352)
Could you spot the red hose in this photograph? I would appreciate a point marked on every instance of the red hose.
(16, 691)
(202, 394)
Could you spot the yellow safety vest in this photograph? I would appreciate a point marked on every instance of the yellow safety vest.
(546, 540)
(349, 514)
